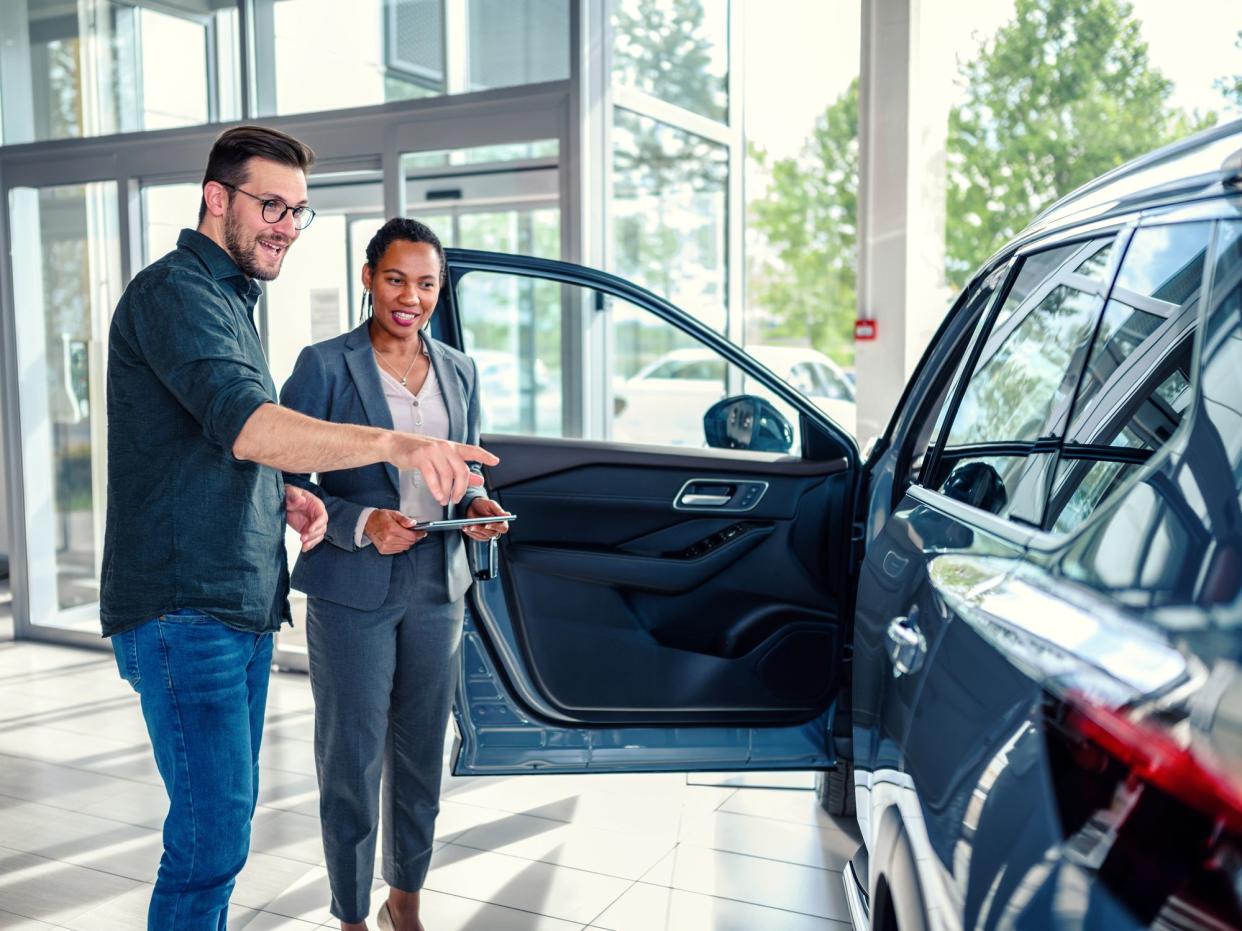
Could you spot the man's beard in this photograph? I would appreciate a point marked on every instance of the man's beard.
(246, 255)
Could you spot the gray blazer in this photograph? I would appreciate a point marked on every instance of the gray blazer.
(338, 380)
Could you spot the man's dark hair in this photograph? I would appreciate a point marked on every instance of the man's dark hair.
(235, 147)
(404, 229)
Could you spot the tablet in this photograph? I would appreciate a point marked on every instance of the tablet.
(460, 522)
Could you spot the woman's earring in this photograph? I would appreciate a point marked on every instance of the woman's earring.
(366, 306)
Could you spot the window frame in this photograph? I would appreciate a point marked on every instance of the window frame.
(939, 454)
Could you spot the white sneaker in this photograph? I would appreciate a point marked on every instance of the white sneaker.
(384, 918)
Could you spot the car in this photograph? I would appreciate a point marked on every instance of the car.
(1008, 639)
(669, 396)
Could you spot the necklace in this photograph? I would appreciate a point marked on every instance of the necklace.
(404, 376)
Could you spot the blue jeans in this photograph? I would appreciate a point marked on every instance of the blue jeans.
(203, 687)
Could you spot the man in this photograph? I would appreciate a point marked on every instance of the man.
(194, 575)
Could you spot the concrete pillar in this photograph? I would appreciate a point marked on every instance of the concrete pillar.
(905, 88)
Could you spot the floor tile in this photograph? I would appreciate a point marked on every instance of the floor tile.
(654, 908)
(52, 891)
(614, 854)
(248, 919)
(556, 891)
(452, 913)
(287, 834)
(751, 879)
(265, 878)
(82, 840)
(10, 922)
(797, 807)
(124, 912)
(807, 844)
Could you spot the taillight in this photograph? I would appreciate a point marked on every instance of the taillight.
(1152, 756)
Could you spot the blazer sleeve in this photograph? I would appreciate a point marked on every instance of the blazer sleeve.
(473, 417)
(307, 392)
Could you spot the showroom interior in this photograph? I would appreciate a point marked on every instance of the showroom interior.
(785, 172)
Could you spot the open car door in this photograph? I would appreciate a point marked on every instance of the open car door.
(660, 603)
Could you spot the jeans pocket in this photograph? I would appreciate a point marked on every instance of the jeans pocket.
(125, 648)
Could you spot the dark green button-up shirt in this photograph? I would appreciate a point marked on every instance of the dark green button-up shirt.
(189, 526)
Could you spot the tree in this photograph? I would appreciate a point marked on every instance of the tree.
(1231, 86)
(1061, 94)
(809, 216)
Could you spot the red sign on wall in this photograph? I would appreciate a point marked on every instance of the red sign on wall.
(864, 330)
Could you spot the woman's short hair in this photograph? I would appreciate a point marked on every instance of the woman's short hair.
(404, 229)
(234, 148)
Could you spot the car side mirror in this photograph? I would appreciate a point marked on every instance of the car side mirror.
(977, 484)
(747, 422)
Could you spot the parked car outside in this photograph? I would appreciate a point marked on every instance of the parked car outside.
(669, 396)
(1009, 640)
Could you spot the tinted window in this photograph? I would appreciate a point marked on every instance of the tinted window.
(1023, 382)
(1136, 386)
(1175, 537)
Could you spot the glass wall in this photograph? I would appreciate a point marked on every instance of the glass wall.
(676, 51)
(801, 181)
(674, 152)
(324, 55)
(95, 67)
(66, 280)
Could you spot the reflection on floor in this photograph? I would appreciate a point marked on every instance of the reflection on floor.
(81, 806)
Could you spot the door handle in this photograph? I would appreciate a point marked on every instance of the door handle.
(705, 501)
(906, 644)
(486, 568)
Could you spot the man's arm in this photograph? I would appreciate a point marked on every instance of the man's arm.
(284, 439)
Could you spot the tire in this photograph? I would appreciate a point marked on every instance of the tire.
(834, 788)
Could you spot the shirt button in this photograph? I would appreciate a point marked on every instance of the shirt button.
(416, 402)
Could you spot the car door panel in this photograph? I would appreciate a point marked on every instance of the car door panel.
(632, 610)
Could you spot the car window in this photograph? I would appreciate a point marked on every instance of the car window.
(832, 386)
(802, 377)
(659, 385)
(996, 454)
(1137, 384)
(1174, 536)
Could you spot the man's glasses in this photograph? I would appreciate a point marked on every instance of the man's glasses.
(274, 210)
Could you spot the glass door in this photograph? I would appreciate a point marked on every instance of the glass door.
(491, 197)
(503, 198)
(66, 280)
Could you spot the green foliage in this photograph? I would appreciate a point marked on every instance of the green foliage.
(1059, 95)
(810, 217)
(1062, 94)
(1231, 86)
(661, 49)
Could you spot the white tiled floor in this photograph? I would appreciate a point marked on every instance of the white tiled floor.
(81, 805)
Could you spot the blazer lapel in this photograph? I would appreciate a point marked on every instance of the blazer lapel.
(450, 389)
(360, 361)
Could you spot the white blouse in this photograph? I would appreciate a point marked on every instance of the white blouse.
(424, 413)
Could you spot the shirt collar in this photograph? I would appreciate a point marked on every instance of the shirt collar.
(219, 264)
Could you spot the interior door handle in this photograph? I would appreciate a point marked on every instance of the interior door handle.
(906, 644)
(704, 501)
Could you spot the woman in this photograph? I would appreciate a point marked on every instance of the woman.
(385, 605)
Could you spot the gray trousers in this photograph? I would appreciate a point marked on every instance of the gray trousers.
(383, 685)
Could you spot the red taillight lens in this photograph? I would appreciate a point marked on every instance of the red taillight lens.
(1153, 756)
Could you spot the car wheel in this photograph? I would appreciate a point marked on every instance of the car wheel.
(834, 788)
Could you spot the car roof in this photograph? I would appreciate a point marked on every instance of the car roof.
(1206, 164)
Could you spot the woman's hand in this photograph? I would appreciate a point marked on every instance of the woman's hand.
(485, 507)
(391, 531)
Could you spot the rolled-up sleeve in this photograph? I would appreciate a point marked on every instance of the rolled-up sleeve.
(187, 337)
